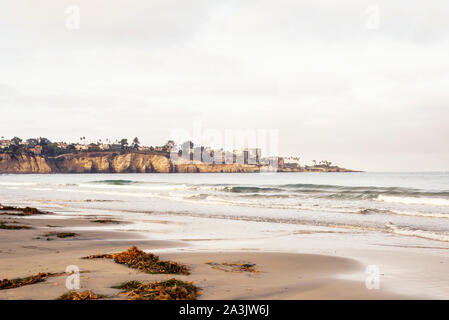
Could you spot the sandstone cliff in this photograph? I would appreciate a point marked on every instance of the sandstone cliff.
(100, 162)
(131, 162)
(23, 164)
(108, 162)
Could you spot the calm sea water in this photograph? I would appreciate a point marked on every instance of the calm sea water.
(403, 204)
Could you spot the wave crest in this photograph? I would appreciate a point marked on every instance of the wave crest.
(414, 200)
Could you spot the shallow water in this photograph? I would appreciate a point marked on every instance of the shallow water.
(405, 204)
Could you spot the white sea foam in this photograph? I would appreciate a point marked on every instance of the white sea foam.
(421, 214)
(418, 233)
(7, 183)
(414, 200)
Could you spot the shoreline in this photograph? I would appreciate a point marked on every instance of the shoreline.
(280, 276)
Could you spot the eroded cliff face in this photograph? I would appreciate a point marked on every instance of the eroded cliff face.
(85, 163)
(109, 162)
(23, 164)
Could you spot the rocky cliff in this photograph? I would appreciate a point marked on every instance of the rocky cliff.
(131, 162)
(23, 164)
(100, 162)
(108, 162)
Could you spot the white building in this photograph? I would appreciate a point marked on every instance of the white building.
(5, 143)
(292, 162)
(80, 147)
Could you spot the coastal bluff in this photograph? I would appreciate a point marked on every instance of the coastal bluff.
(109, 162)
(128, 162)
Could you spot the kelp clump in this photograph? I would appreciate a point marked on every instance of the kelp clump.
(106, 221)
(16, 211)
(146, 262)
(233, 267)
(171, 289)
(20, 282)
(13, 226)
(61, 235)
(84, 295)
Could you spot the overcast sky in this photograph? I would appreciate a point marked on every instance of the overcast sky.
(364, 84)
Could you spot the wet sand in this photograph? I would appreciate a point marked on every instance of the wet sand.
(280, 275)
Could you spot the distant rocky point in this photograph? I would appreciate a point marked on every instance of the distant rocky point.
(131, 162)
(42, 156)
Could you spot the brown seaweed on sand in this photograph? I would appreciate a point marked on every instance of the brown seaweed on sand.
(7, 226)
(146, 262)
(16, 211)
(20, 282)
(233, 267)
(61, 234)
(171, 289)
(52, 235)
(106, 221)
(84, 295)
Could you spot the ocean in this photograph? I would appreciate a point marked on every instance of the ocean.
(402, 205)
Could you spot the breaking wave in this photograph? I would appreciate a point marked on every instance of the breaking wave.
(439, 236)
(115, 182)
(320, 190)
(414, 200)
(250, 189)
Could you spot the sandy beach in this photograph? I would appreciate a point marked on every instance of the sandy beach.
(307, 241)
(229, 150)
(279, 276)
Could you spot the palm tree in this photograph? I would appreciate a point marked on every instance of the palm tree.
(124, 143)
(136, 143)
(169, 145)
(16, 140)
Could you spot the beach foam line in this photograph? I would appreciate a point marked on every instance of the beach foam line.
(414, 200)
(403, 213)
(438, 236)
(421, 214)
(17, 184)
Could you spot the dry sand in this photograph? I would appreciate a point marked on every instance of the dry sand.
(280, 276)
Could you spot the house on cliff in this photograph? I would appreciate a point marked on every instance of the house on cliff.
(36, 150)
(5, 143)
(292, 162)
(81, 147)
(62, 145)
